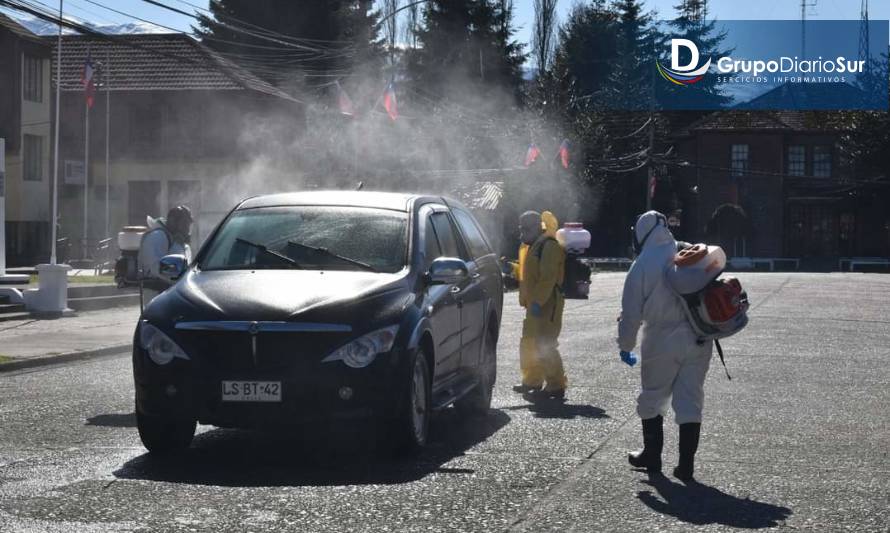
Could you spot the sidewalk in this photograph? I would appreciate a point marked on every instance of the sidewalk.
(31, 342)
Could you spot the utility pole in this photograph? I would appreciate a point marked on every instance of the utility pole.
(804, 6)
(651, 166)
(106, 74)
(481, 67)
(54, 218)
(86, 179)
(864, 41)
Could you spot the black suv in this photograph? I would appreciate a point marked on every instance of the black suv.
(321, 306)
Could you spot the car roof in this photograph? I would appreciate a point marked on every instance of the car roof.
(380, 200)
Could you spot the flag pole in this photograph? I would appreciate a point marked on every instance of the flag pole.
(54, 219)
(107, 71)
(86, 177)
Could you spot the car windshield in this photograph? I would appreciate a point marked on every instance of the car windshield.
(310, 237)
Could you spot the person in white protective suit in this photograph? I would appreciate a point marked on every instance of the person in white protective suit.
(165, 236)
(673, 363)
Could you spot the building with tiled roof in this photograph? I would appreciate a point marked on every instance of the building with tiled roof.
(25, 117)
(184, 125)
(158, 62)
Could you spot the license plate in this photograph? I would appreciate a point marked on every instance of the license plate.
(251, 391)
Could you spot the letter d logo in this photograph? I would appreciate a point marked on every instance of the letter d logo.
(675, 55)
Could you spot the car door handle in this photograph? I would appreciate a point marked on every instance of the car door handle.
(476, 275)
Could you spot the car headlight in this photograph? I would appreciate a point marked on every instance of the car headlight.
(160, 348)
(362, 351)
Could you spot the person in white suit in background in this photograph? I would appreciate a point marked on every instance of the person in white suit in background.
(673, 362)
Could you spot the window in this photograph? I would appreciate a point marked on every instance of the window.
(822, 161)
(475, 239)
(432, 251)
(315, 237)
(33, 158)
(32, 79)
(145, 125)
(739, 161)
(797, 160)
(445, 233)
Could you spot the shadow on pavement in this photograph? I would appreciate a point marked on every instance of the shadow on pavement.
(117, 420)
(558, 409)
(318, 457)
(700, 504)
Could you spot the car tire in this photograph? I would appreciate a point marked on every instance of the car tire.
(477, 402)
(411, 426)
(162, 435)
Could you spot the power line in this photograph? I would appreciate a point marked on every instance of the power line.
(103, 6)
(263, 34)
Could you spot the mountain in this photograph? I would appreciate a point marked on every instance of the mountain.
(43, 27)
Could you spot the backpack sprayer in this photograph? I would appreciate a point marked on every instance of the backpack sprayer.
(715, 307)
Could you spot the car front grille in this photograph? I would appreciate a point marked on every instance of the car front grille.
(226, 352)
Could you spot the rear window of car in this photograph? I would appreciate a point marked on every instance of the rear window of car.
(445, 233)
(475, 238)
(312, 237)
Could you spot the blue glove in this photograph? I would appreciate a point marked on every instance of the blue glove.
(506, 269)
(628, 357)
(535, 309)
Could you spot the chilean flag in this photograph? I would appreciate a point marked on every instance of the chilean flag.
(345, 103)
(389, 101)
(564, 153)
(531, 155)
(89, 84)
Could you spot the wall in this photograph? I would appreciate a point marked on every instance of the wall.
(192, 147)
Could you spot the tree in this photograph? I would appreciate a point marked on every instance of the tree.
(691, 23)
(294, 43)
(544, 33)
(412, 22)
(390, 27)
(275, 39)
(633, 66)
(467, 50)
(361, 29)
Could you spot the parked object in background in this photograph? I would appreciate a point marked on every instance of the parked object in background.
(576, 240)
(51, 295)
(126, 269)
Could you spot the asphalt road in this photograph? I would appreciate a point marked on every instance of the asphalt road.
(799, 439)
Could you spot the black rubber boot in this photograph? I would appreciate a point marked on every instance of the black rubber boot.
(689, 434)
(653, 440)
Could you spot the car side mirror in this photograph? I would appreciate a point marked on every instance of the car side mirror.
(172, 267)
(447, 270)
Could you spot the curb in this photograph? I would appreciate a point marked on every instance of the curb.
(64, 358)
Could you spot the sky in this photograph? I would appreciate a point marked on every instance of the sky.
(721, 9)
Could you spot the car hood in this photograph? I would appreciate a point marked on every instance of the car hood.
(272, 294)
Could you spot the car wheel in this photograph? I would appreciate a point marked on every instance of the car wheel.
(163, 435)
(412, 424)
(477, 402)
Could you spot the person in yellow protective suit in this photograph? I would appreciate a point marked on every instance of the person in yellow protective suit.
(540, 272)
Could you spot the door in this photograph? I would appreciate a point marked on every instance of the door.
(812, 230)
(474, 293)
(442, 300)
(143, 198)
